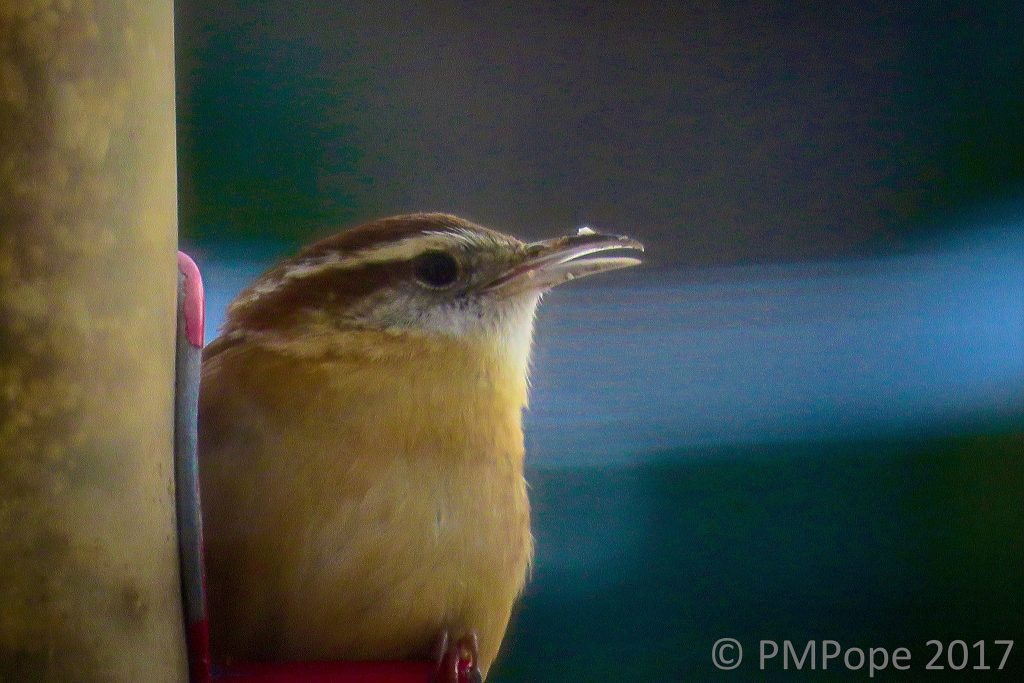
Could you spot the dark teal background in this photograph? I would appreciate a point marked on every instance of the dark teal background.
(802, 419)
(868, 543)
(715, 131)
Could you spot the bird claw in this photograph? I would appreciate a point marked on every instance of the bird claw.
(457, 662)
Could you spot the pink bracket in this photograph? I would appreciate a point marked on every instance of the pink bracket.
(193, 305)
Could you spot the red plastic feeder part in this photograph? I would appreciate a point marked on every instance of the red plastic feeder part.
(328, 672)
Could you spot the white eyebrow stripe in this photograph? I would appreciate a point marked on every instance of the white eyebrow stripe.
(402, 250)
(467, 238)
(307, 267)
(312, 266)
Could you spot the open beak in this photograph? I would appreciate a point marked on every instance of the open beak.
(549, 263)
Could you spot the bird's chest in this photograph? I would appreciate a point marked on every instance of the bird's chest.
(408, 507)
(439, 468)
(480, 516)
(455, 527)
(431, 521)
(382, 507)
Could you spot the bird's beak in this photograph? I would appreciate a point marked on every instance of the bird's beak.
(549, 263)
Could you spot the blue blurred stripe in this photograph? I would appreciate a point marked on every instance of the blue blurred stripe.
(643, 361)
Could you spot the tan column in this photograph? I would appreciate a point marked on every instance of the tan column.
(88, 571)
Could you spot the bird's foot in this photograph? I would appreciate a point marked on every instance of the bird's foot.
(458, 661)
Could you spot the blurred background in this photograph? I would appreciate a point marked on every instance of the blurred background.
(802, 418)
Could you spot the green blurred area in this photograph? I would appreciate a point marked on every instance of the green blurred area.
(716, 132)
(870, 544)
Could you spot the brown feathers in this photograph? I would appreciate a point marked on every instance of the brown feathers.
(332, 275)
(361, 445)
(356, 507)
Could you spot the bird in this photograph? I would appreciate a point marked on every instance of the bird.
(361, 448)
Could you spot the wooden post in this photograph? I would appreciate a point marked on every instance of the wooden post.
(89, 586)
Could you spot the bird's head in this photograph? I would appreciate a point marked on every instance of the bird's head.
(420, 276)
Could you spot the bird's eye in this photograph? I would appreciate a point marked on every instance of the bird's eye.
(436, 269)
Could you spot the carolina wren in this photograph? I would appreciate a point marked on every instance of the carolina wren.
(361, 444)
